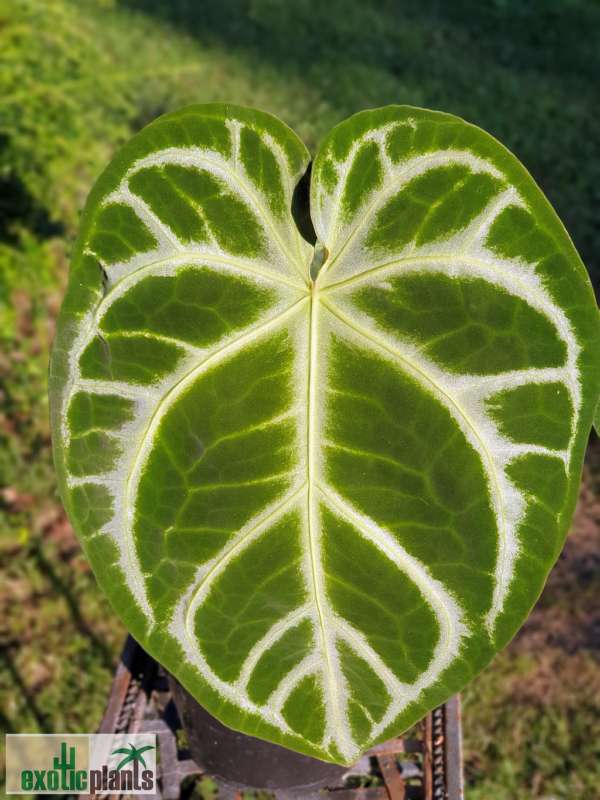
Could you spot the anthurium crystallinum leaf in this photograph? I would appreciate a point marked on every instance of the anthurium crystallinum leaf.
(324, 506)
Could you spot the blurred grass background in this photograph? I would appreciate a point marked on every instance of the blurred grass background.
(77, 79)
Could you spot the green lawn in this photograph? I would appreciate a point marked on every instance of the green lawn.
(76, 80)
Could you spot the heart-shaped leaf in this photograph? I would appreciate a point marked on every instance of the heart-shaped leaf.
(323, 506)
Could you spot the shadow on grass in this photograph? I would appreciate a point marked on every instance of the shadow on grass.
(527, 72)
(42, 720)
(543, 35)
(60, 587)
(18, 207)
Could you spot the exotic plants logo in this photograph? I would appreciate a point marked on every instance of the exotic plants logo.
(85, 763)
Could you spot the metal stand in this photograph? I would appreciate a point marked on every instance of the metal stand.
(140, 702)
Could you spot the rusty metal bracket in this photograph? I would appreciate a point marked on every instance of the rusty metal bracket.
(424, 766)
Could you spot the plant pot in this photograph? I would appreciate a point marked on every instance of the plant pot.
(244, 762)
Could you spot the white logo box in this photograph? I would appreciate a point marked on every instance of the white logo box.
(98, 763)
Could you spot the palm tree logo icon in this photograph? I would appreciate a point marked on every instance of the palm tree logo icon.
(132, 754)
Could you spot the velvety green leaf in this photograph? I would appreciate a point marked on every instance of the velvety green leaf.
(323, 501)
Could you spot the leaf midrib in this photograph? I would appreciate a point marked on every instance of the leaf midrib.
(315, 568)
